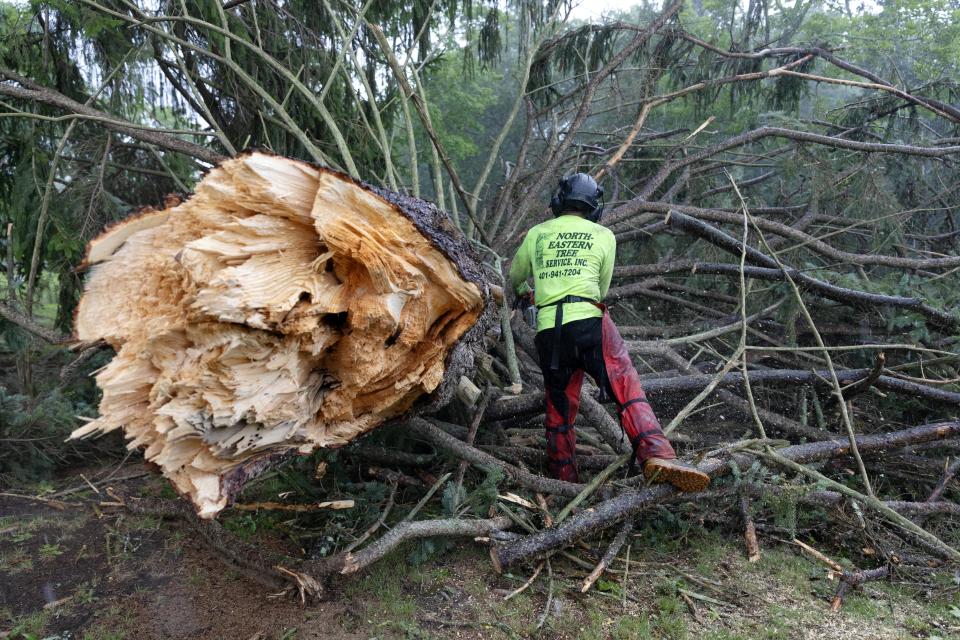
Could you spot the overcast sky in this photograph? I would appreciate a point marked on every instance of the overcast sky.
(594, 9)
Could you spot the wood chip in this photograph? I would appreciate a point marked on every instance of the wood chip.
(515, 499)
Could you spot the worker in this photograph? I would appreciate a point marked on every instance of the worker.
(571, 261)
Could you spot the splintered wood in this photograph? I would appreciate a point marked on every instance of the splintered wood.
(280, 309)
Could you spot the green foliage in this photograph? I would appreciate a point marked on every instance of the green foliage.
(479, 501)
(785, 514)
(36, 429)
(465, 110)
(453, 496)
(428, 548)
(485, 494)
(248, 525)
(757, 473)
(466, 55)
(579, 51)
(30, 627)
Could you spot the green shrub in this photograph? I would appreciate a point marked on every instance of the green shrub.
(33, 434)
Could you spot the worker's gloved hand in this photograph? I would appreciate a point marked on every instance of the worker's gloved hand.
(527, 306)
(523, 300)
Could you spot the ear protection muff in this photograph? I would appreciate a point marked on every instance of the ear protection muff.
(597, 213)
(556, 202)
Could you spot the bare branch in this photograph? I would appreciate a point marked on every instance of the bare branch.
(23, 321)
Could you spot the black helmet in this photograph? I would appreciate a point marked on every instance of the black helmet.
(579, 192)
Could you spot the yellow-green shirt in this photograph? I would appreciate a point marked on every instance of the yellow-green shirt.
(567, 256)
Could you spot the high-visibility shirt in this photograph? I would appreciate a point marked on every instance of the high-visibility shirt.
(567, 256)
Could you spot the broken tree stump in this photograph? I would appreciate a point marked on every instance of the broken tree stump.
(281, 308)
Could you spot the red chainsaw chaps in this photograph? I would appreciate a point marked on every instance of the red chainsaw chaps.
(562, 410)
(636, 416)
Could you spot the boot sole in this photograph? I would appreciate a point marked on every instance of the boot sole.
(687, 480)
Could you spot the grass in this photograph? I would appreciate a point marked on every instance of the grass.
(774, 598)
(780, 623)
(110, 624)
(865, 606)
(196, 578)
(791, 569)
(100, 633)
(628, 627)
(29, 627)
(25, 529)
(247, 526)
(86, 593)
(916, 625)
(384, 589)
(21, 536)
(124, 539)
(28, 527)
(16, 561)
(721, 634)
(521, 614)
(144, 523)
(670, 620)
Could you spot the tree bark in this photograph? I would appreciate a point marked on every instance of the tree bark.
(662, 388)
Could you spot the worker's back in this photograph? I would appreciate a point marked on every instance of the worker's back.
(571, 261)
(567, 256)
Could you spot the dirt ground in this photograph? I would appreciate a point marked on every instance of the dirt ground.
(80, 571)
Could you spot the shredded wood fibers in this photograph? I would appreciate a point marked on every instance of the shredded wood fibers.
(281, 307)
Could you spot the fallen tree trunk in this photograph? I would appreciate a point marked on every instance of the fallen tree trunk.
(609, 512)
(663, 387)
(462, 450)
(281, 308)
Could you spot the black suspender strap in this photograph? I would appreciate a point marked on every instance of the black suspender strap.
(558, 326)
(602, 382)
(557, 329)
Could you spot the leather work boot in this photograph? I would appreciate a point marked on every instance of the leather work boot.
(683, 476)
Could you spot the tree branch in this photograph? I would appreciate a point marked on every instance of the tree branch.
(21, 320)
(53, 98)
